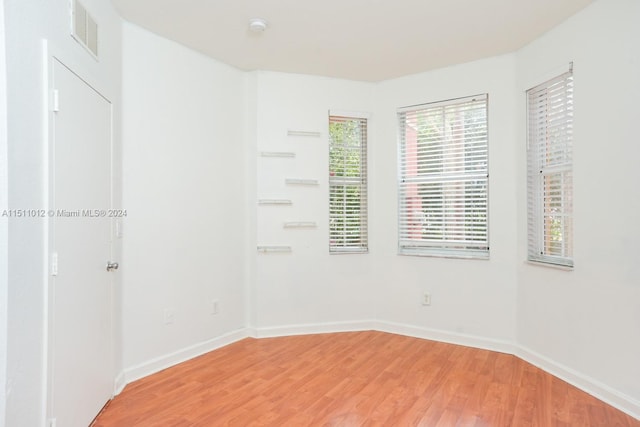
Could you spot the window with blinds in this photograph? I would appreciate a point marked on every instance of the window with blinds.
(347, 185)
(443, 179)
(550, 170)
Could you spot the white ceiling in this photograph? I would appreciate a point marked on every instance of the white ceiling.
(369, 40)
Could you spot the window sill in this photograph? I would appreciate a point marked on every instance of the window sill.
(549, 265)
(349, 252)
(479, 256)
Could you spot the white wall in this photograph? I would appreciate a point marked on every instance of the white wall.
(307, 286)
(27, 24)
(587, 321)
(475, 298)
(312, 290)
(184, 166)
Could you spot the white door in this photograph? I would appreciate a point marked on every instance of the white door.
(81, 348)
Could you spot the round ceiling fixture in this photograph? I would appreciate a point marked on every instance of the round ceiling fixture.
(257, 25)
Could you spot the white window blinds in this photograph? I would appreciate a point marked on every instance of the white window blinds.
(443, 178)
(550, 170)
(347, 184)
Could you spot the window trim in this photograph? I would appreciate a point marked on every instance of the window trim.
(536, 251)
(364, 183)
(441, 251)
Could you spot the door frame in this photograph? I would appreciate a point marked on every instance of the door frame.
(51, 55)
(4, 222)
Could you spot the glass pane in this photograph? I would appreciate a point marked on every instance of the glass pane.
(347, 183)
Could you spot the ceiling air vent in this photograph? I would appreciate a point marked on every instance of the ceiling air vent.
(84, 28)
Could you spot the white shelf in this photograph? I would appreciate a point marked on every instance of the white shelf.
(300, 224)
(274, 249)
(298, 181)
(281, 154)
(274, 202)
(305, 133)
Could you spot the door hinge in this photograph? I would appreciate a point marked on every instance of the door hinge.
(55, 100)
(54, 264)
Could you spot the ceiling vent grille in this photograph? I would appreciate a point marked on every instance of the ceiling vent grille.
(84, 28)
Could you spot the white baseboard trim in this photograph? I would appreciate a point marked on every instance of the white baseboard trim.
(312, 328)
(618, 400)
(445, 336)
(119, 383)
(163, 362)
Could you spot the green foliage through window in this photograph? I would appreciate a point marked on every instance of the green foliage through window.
(347, 184)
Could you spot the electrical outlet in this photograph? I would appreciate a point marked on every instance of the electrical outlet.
(426, 298)
(215, 306)
(169, 316)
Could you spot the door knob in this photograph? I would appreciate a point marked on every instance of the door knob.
(112, 266)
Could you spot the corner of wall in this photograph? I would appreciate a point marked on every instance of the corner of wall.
(165, 361)
(4, 235)
(250, 141)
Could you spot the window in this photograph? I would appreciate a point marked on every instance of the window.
(549, 171)
(443, 179)
(347, 184)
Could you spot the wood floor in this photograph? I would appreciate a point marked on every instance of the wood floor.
(355, 379)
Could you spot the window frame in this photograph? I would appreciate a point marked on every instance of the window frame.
(469, 246)
(360, 182)
(546, 139)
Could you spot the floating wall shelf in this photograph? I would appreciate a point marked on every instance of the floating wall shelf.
(300, 224)
(298, 181)
(274, 249)
(304, 133)
(277, 154)
(267, 202)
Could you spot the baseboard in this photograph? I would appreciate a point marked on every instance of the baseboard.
(618, 400)
(119, 383)
(312, 328)
(445, 336)
(163, 362)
